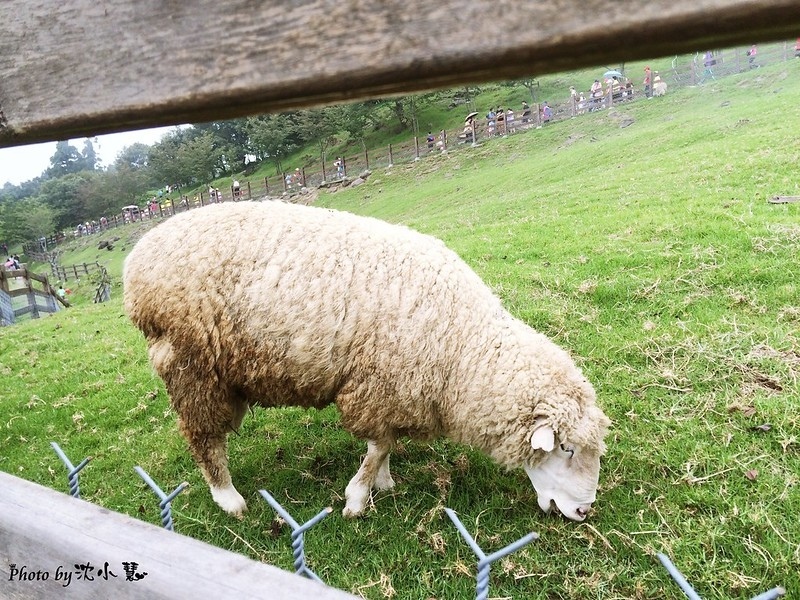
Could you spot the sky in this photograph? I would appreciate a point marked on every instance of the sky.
(23, 163)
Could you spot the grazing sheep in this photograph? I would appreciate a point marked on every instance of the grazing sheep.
(274, 304)
(659, 86)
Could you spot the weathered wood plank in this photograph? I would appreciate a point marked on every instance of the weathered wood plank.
(83, 67)
(43, 530)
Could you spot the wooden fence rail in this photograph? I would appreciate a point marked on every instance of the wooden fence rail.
(285, 54)
(45, 536)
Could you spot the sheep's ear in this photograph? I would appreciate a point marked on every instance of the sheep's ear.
(543, 438)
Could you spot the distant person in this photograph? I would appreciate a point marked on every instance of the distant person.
(468, 134)
(581, 103)
(491, 122)
(431, 141)
(526, 112)
(708, 62)
(547, 112)
(237, 188)
(61, 292)
(648, 91)
(751, 56)
(797, 48)
(510, 120)
(596, 95)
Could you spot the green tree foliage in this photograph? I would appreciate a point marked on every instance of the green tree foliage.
(199, 159)
(65, 161)
(134, 157)
(89, 156)
(231, 139)
(65, 196)
(272, 137)
(320, 126)
(26, 219)
(357, 119)
(163, 159)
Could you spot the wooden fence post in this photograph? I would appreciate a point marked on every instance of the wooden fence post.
(391, 158)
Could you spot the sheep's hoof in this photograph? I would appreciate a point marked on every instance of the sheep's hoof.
(383, 484)
(229, 500)
(350, 513)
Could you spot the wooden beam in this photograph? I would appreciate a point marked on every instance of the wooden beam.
(42, 530)
(79, 68)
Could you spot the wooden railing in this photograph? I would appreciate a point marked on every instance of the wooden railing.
(20, 295)
(46, 535)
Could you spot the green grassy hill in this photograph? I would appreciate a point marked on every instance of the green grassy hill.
(641, 240)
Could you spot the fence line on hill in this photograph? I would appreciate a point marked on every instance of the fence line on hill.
(325, 172)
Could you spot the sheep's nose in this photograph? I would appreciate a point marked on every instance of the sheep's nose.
(582, 511)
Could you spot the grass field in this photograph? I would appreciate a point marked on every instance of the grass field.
(649, 251)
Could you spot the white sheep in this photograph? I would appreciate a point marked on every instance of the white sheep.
(274, 304)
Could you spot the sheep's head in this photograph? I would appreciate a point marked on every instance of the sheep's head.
(568, 474)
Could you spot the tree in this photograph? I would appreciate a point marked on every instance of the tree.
(406, 109)
(272, 137)
(120, 186)
(133, 157)
(65, 196)
(231, 138)
(89, 156)
(163, 159)
(24, 220)
(357, 119)
(320, 125)
(532, 85)
(199, 158)
(65, 160)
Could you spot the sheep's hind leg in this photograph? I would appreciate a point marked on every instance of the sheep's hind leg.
(207, 410)
(209, 447)
(374, 472)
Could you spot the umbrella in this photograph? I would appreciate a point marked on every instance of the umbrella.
(471, 115)
(611, 73)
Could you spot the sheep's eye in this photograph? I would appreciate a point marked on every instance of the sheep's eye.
(568, 449)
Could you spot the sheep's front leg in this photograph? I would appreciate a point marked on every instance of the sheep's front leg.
(374, 472)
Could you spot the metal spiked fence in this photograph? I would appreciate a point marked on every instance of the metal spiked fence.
(298, 530)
